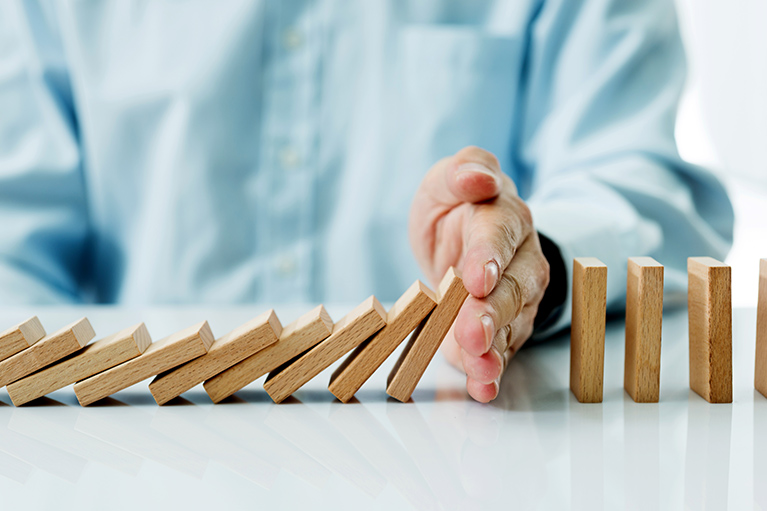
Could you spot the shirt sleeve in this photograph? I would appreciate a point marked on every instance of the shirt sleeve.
(43, 213)
(603, 80)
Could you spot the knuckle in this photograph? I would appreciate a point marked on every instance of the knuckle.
(523, 211)
(502, 340)
(515, 293)
(545, 273)
(508, 240)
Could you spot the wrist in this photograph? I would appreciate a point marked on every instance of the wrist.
(552, 304)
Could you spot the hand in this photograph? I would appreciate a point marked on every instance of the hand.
(467, 214)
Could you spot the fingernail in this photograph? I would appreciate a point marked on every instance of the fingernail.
(491, 276)
(489, 328)
(497, 385)
(475, 167)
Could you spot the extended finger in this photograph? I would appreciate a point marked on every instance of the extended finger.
(524, 281)
(484, 374)
(484, 388)
(487, 367)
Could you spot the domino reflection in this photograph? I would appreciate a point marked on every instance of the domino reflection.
(383, 451)
(760, 452)
(707, 460)
(56, 428)
(316, 436)
(129, 428)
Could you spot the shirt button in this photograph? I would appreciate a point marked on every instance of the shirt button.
(289, 158)
(287, 266)
(292, 39)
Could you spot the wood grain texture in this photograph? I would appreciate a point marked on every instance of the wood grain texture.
(46, 351)
(296, 338)
(709, 308)
(425, 341)
(163, 355)
(240, 343)
(93, 359)
(760, 379)
(20, 337)
(644, 318)
(357, 326)
(587, 333)
(405, 315)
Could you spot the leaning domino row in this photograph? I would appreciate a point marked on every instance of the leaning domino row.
(33, 365)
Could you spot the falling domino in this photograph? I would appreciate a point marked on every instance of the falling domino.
(20, 337)
(170, 352)
(357, 326)
(230, 349)
(709, 303)
(93, 359)
(297, 337)
(644, 317)
(405, 315)
(425, 341)
(587, 334)
(47, 351)
(761, 331)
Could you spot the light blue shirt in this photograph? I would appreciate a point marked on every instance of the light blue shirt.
(241, 151)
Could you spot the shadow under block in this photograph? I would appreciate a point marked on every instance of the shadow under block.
(404, 316)
(20, 337)
(225, 352)
(356, 327)
(297, 337)
(709, 308)
(761, 331)
(644, 318)
(587, 333)
(93, 359)
(46, 351)
(163, 355)
(425, 341)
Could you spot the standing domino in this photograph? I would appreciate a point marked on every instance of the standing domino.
(761, 331)
(644, 318)
(709, 304)
(587, 334)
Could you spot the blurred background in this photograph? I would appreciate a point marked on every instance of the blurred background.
(722, 122)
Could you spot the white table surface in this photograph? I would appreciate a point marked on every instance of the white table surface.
(534, 447)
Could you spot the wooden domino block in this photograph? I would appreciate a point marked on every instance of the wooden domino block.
(587, 333)
(405, 315)
(761, 331)
(227, 351)
(357, 326)
(163, 355)
(296, 338)
(93, 359)
(47, 351)
(20, 337)
(709, 304)
(644, 317)
(425, 341)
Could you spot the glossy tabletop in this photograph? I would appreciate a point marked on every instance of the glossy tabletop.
(535, 447)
